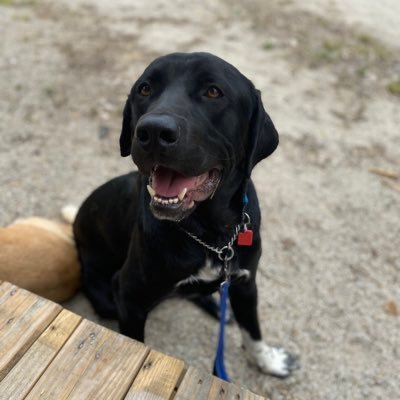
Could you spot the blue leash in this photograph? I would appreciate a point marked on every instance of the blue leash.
(226, 254)
(219, 365)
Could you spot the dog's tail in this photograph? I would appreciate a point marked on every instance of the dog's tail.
(69, 213)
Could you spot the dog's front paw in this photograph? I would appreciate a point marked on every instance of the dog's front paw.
(274, 361)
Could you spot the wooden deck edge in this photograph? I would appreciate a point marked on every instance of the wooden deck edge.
(155, 374)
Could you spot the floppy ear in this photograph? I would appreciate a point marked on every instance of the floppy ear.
(125, 140)
(263, 138)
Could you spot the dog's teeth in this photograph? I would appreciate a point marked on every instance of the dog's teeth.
(181, 195)
(164, 201)
(151, 191)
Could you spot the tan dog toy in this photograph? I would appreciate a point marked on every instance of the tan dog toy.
(39, 255)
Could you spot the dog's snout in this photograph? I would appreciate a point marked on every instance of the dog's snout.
(157, 132)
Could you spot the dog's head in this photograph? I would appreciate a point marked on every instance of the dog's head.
(191, 122)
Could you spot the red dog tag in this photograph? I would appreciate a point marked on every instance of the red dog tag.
(245, 238)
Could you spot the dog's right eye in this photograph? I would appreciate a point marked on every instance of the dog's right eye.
(213, 92)
(144, 89)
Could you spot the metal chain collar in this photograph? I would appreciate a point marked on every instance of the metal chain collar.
(225, 253)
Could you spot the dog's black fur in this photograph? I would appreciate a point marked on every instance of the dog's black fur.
(133, 255)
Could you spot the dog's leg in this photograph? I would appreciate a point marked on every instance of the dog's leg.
(132, 319)
(271, 360)
(133, 308)
(96, 281)
(135, 296)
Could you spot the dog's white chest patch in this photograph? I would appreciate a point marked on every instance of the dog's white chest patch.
(208, 273)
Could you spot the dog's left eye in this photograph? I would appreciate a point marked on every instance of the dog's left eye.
(144, 89)
(213, 92)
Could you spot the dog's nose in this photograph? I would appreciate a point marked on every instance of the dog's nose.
(157, 131)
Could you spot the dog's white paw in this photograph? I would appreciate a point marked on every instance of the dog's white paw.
(271, 360)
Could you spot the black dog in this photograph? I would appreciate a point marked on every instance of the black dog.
(195, 127)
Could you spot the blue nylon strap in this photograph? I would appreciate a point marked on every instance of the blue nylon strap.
(219, 365)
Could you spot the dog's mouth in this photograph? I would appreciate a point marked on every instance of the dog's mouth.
(174, 195)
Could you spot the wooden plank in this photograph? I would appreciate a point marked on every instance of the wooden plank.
(7, 290)
(23, 317)
(95, 363)
(199, 385)
(76, 360)
(195, 385)
(19, 381)
(5, 287)
(157, 379)
(225, 391)
(13, 303)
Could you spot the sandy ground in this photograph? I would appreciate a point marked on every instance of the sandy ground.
(329, 275)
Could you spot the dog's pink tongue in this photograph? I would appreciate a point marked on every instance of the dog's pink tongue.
(168, 183)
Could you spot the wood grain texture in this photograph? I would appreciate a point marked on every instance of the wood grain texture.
(95, 363)
(222, 390)
(157, 378)
(23, 317)
(7, 290)
(195, 385)
(20, 380)
(199, 385)
(50, 353)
